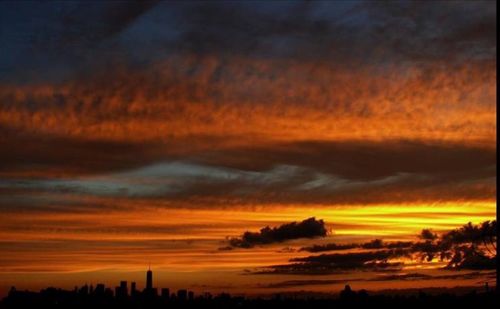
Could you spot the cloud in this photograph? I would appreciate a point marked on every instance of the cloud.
(351, 33)
(285, 173)
(57, 41)
(308, 228)
(42, 156)
(427, 234)
(419, 276)
(344, 31)
(337, 263)
(329, 247)
(290, 97)
(92, 24)
(213, 96)
(374, 244)
(447, 30)
(392, 132)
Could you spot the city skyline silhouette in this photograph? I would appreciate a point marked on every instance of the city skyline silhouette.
(102, 296)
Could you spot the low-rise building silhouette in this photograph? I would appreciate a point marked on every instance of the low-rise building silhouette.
(133, 289)
(165, 293)
(182, 295)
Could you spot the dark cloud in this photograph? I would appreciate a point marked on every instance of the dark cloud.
(82, 35)
(427, 234)
(313, 172)
(308, 228)
(356, 172)
(351, 260)
(347, 32)
(91, 24)
(374, 244)
(419, 276)
(337, 263)
(48, 156)
(435, 31)
(329, 247)
(351, 159)
(54, 41)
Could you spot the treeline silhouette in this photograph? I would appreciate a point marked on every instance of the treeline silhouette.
(348, 298)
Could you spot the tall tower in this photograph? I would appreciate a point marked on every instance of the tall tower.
(149, 279)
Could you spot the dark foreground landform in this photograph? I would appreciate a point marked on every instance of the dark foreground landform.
(58, 298)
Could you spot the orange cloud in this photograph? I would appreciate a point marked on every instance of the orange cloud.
(244, 100)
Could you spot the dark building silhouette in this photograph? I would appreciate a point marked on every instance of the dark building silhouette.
(182, 295)
(165, 293)
(123, 286)
(108, 293)
(150, 291)
(133, 289)
(99, 289)
(84, 290)
(122, 290)
(103, 298)
(347, 293)
(149, 280)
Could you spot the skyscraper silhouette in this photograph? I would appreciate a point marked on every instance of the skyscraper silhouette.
(149, 279)
(122, 290)
(133, 289)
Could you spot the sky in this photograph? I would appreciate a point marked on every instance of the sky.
(137, 133)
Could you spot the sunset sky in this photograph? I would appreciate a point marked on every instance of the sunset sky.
(137, 133)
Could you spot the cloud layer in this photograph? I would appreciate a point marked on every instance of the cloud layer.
(298, 102)
(308, 228)
(468, 247)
